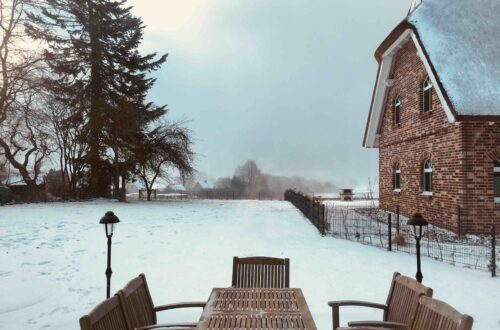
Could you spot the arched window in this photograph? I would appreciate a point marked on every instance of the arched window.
(427, 95)
(428, 177)
(496, 173)
(397, 110)
(397, 178)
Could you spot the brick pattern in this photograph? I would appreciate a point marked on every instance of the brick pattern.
(462, 155)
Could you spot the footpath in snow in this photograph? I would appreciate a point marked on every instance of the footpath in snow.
(53, 258)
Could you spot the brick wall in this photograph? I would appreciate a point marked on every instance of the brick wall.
(461, 154)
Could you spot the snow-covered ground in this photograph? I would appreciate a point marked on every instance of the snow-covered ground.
(53, 260)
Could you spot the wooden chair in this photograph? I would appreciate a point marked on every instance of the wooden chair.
(436, 314)
(138, 305)
(261, 272)
(430, 314)
(399, 308)
(108, 315)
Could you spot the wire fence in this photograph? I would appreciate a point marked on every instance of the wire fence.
(367, 224)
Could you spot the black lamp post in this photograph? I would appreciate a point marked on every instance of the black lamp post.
(417, 221)
(109, 220)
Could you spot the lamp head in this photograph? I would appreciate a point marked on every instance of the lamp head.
(109, 220)
(417, 221)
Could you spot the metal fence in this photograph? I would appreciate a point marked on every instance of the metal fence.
(373, 226)
(312, 209)
(370, 225)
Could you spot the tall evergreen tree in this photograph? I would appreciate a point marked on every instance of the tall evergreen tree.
(92, 50)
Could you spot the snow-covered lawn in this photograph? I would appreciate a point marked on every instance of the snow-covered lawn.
(53, 260)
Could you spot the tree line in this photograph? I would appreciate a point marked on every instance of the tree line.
(73, 91)
(250, 182)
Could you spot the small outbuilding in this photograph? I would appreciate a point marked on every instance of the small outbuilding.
(346, 194)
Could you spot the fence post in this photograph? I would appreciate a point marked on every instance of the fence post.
(311, 210)
(493, 252)
(459, 221)
(397, 219)
(389, 233)
(323, 220)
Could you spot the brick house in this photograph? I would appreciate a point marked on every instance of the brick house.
(435, 115)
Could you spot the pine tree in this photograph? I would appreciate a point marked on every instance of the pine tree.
(92, 50)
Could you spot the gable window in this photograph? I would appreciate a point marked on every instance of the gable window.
(496, 173)
(397, 178)
(397, 110)
(427, 177)
(427, 95)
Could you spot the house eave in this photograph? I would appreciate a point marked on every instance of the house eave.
(385, 55)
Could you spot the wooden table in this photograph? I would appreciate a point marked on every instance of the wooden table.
(256, 309)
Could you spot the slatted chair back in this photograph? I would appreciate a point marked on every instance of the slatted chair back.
(108, 315)
(261, 272)
(137, 302)
(402, 301)
(436, 314)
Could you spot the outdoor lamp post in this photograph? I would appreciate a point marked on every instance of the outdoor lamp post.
(109, 220)
(417, 221)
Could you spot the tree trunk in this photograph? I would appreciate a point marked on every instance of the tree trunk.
(96, 189)
(123, 190)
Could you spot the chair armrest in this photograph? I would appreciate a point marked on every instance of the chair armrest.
(379, 324)
(180, 305)
(339, 303)
(336, 304)
(170, 326)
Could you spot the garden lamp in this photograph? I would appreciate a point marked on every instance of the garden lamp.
(418, 222)
(109, 220)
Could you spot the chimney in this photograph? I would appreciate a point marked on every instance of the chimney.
(414, 5)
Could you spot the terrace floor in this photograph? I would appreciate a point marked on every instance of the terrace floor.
(54, 258)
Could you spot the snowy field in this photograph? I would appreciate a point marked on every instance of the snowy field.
(53, 260)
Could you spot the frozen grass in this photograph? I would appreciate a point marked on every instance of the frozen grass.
(53, 260)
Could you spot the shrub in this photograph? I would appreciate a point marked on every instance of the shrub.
(399, 239)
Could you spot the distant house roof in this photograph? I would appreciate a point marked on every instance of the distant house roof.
(459, 47)
(176, 187)
(205, 184)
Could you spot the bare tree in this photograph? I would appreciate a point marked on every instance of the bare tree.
(66, 130)
(22, 136)
(166, 148)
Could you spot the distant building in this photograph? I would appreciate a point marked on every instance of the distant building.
(435, 115)
(176, 188)
(202, 185)
(346, 195)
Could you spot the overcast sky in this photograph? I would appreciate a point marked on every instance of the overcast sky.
(287, 83)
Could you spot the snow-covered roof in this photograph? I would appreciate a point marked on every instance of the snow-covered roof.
(205, 184)
(177, 186)
(461, 40)
(457, 44)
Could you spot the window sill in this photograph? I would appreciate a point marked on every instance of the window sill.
(427, 193)
(397, 190)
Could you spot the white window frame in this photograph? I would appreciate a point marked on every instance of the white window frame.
(496, 169)
(397, 170)
(427, 86)
(428, 168)
(397, 110)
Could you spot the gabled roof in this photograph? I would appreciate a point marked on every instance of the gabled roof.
(205, 184)
(459, 48)
(461, 40)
